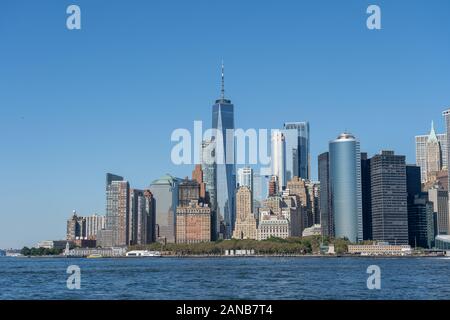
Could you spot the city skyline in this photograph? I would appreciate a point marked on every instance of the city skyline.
(75, 139)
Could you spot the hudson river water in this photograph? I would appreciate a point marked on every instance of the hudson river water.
(225, 278)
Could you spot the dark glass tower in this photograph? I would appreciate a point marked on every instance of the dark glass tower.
(223, 123)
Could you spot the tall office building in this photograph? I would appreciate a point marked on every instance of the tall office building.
(197, 175)
(420, 211)
(389, 198)
(279, 158)
(260, 191)
(223, 123)
(345, 187)
(431, 153)
(326, 216)
(246, 226)
(366, 192)
(117, 209)
(165, 195)
(141, 222)
(208, 163)
(439, 198)
(298, 162)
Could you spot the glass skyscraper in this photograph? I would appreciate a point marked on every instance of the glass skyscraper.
(223, 123)
(345, 185)
(297, 150)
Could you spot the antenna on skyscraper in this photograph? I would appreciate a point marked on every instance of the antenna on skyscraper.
(223, 82)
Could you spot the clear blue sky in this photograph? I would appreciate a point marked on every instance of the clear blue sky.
(77, 104)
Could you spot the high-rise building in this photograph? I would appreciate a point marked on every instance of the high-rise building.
(208, 163)
(298, 160)
(223, 123)
(313, 189)
(141, 223)
(193, 223)
(165, 195)
(117, 209)
(345, 186)
(326, 216)
(298, 187)
(197, 175)
(439, 198)
(76, 227)
(366, 193)
(260, 191)
(279, 158)
(389, 198)
(245, 226)
(431, 153)
(420, 211)
(94, 224)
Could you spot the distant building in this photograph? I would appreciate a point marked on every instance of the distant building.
(420, 211)
(188, 190)
(76, 227)
(280, 216)
(431, 153)
(298, 161)
(442, 242)
(209, 167)
(117, 209)
(315, 230)
(380, 249)
(193, 223)
(326, 216)
(366, 193)
(279, 158)
(345, 187)
(94, 223)
(54, 244)
(389, 198)
(142, 217)
(165, 194)
(197, 175)
(223, 124)
(439, 198)
(273, 186)
(246, 224)
(273, 226)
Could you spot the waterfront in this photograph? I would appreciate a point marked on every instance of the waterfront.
(221, 278)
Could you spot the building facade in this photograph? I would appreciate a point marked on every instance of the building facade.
(389, 198)
(223, 124)
(431, 153)
(439, 198)
(246, 224)
(298, 161)
(165, 195)
(345, 187)
(278, 160)
(117, 208)
(193, 223)
(326, 216)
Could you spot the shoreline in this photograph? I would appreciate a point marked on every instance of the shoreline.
(314, 256)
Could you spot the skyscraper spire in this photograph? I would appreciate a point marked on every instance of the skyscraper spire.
(222, 92)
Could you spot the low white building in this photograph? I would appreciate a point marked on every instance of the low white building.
(380, 249)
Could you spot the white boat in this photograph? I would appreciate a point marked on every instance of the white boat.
(143, 253)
